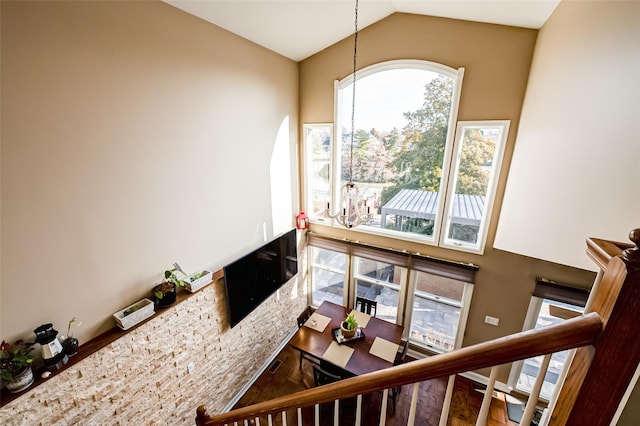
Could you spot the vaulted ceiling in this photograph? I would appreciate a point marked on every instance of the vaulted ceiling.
(299, 28)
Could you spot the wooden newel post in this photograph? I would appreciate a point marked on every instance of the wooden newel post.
(201, 415)
(600, 374)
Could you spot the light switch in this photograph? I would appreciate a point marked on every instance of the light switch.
(491, 320)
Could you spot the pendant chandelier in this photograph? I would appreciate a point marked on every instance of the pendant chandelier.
(353, 212)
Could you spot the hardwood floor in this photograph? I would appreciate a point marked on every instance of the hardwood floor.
(284, 377)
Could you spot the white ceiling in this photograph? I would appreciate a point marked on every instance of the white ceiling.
(299, 28)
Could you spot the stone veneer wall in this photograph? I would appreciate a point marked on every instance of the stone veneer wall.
(142, 378)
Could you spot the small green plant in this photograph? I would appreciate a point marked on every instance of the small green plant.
(350, 323)
(14, 358)
(130, 310)
(195, 276)
(170, 283)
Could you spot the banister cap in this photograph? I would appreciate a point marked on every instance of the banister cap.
(632, 255)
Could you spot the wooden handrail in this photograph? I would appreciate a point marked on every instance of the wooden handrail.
(568, 334)
(601, 251)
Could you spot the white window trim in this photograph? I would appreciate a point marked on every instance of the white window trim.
(464, 305)
(464, 313)
(308, 158)
(457, 75)
(346, 274)
(416, 263)
(498, 155)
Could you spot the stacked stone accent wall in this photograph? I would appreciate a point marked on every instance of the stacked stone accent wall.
(142, 378)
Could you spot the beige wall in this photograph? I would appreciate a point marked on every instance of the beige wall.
(581, 125)
(496, 61)
(579, 139)
(133, 136)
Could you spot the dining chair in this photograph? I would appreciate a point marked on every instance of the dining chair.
(302, 318)
(400, 357)
(367, 306)
(402, 352)
(324, 377)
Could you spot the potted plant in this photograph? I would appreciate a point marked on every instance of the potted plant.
(165, 292)
(70, 343)
(348, 327)
(134, 314)
(15, 365)
(198, 280)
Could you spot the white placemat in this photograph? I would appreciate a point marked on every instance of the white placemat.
(317, 322)
(384, 349)
(361, 317)
(338, 354)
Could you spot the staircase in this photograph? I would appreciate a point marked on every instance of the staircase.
(602, 368)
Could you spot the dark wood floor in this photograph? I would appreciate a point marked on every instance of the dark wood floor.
(284, 377)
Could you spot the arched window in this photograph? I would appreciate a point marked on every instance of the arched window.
(404, 156)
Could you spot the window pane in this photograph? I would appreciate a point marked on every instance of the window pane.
(477, 160)
(331, 259)
(399, 143)
(327, 286)
(387, 298)
(377, 270)
(380, 282)
(436, 311)
(440, 287)
(551, 312)
(318, 163)
(327, 276)
(434, 324)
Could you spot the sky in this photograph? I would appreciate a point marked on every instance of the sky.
(383, 97)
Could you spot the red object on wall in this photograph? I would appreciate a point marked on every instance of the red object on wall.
(302, 221)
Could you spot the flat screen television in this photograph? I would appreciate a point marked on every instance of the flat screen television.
(250, 280)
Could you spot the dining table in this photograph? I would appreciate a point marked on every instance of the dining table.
(374, 347)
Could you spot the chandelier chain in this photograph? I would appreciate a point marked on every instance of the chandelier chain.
(353, 93)
(351, 214)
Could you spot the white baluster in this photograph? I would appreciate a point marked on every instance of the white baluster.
(414, 403)
(535, 392)
(383, 409)
(299, 416)
(358, 410)
(486, 401)
(336, 413)
(317, 411)
(446, 405)
(284, 418)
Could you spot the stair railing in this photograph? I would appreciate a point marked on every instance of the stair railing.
(565, 335)
(607, 357)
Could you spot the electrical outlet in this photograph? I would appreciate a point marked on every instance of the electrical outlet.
(491, 320)
(190, 368)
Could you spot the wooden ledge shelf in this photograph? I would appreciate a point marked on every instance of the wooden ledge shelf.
(94, 345)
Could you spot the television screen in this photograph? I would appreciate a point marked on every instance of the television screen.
(250, 280)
